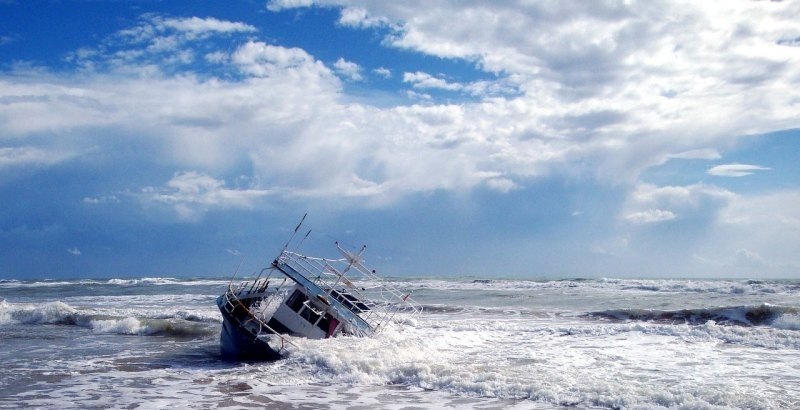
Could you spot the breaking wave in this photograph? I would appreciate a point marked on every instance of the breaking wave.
(672, 286)
(181, 324)
(763, 315)
(13, 283)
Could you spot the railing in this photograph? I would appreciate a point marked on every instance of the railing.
(383, 299)
(232, 302)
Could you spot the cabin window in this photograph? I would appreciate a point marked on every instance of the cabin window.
(296, 302)
(325, 323)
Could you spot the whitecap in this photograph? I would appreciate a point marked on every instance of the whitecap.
(787, 321)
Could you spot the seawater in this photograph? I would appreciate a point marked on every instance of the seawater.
(605, 343)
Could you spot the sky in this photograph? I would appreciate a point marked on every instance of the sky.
(509, 139)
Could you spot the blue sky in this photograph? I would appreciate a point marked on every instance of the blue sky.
(491, 139)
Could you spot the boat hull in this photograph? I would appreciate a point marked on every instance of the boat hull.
(239, 344)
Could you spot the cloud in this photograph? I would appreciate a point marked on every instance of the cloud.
(358, 17)
(383, 72)
(582, 90)
(642, 61)
(650, 216)
(703, 154)
(426, 81)
(734, 170)
(758, 231)
(31, 156)
(162, 30)
(196, 26)
(74, 251)
(103, 199)
(348, 69)
(263, 60)
(501, 185)
(6, 40)
(192, 193)
(278, 5)
(158, 41)
(651, 204)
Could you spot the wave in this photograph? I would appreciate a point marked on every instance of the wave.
(180, 324)
(13, 283)
(782, 317)
(672, 286)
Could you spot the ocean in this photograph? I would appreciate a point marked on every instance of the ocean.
(478, 344)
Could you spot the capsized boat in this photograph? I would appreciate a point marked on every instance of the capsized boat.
(312, 297)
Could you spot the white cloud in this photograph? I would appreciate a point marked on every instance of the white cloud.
(703, 154)
(348, 69)
(74, 251)
(278, 5)
(358, 17)
(161, 31)
(650, 203)
(383, 72)
(650, 216)
(503, 185)
(759, 231)
(592, 96)
(735, 170)
(31, 156)
(427, 81)
(264, 60)
(101, 199)
(413, 95)
(192, 193)
(216, 57)
(196, 26)
(677, 77)
(156, 41)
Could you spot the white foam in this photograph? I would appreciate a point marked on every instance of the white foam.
(45, 313)
(5, 313)
(126, 326)
(788, 321)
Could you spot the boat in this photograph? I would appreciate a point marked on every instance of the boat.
(305, 296)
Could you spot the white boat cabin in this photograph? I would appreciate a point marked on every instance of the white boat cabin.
(303, 316)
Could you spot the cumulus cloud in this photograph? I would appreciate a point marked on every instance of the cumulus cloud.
(192, 193)
(734, 170)
(196, 26)
(358, 17)
(427, 81)
(595, 89)
(348, 69)
(162, 30)
(383, 72)
(641, 60)
(649, 203)
(278, 5)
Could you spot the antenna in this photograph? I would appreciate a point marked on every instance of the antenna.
(295, 232)
(236, 272)
(303, 240)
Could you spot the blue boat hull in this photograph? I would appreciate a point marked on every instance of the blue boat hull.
(239, 344)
